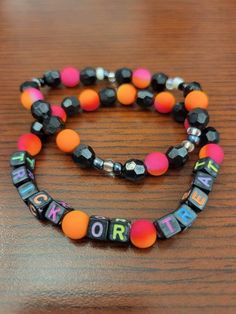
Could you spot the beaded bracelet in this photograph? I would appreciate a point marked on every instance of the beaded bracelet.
(50, 120)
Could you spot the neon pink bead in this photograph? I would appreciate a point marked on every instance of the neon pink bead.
(143, 234)
(30, 143)
(70, 77)
(156, 163)
(141, 78)
(186, 124)
(58, 111)
(29, 96)
(214, 151)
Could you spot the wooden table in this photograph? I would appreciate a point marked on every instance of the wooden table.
(42, 271)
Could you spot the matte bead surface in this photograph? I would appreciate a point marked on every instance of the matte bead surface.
(89, 100)
(167, 226)
(198, 118)
(22, 158)
(29, 96)
(28, 84)
(58, 111)
(123, 75)
(107, 96)
(88, 76)
(38, 204)
(84, 155)
(195, 198)
(134, 170)
(207, 165)
(30, 143)
(119, 230)
(52, 78)
(156, 163)
(196, 99)
(52, 125)
(41, 110)
(164, 102)
(98, 228)
(179, 112)
(209, 135)
(177, 156)
(141, 78)
(55, 212)
(26, 190)
(214, 151)
(143, 234)
(21, 175)
(145, 98)
(70, 77)
(37, 129)
(67, 140)
(187, 88)
(71, 105)
(75, 224)
(126, 94)
(185, 216)
(158, 81)
(204, 181)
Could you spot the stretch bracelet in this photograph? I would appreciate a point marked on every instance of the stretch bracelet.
(132, 87)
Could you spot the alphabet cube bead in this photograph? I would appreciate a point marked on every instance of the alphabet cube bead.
(26, 190)
(98, 228)
(195, 198)
(207, 165)
(203, 181)
(21, 175)
(167, 226)
(185, 216)
(55, 212)
(119, 230)
(38, 204)
(22, 158)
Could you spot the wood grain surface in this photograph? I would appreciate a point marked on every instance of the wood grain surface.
(41, 271)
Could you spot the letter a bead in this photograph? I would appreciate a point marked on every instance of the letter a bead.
(98, 228)
(119, 230)
(203, 181)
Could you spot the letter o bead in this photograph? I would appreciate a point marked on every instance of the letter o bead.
(98, 228)
(75, 224)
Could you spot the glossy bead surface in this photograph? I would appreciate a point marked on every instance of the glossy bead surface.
(38, 204)
(88, 76)
(29, 96)
(158, 82)
(52, 125)
(98, 163)
(179, 112)
(141, 78)
(126, 94)
(71, 105)
(204, 181)
(75, 224)
(189, 87)
(52, 78)
(156, 163)
(196, 99)
(98, 228)
(214, 151)
(188, 145)
(107, 96)
(84, 155)
(134, 170)
(22, 158)
(207, 165)
(177, 156)
(30, 143)
(37, 129)
(70, 77)
(145, 98)
(119, 230)
(143, 234)
(21, 175)
(195, 198)
(28, 84)
(167, 226)
(89, 100)
(198, 118)
(55, 212)
(193, 139)
(185, 216)
(209, 135)
(117, 168)
(108, 165)
(58, 111)
(123, 75)
(26, 190)
(41, 110)
(164, 102)
(67, 140)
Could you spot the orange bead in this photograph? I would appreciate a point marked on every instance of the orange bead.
(75, 224)
(196, 99)
(141, 78)
(143, 234)
(30, 143)
(164, 102)
(126, 94)
(29, 96)
(67, 140)
(89, 100)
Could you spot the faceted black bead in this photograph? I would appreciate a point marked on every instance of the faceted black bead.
(123, 75)
(41, 110)
(187, 88)
(37, 129)
(117, 168)
(198, 118)
(158, 81)
(28, 84)
(195, 198)
(21, 175)
(22, 158)
(209, 135)
(119, 230)
(52, 78)
(98, 228)
(204, 181)
(134, 170)
(52, 125)
(71, 105)
(145, 98)
(84, 155)
(185, 216)
(88, 76)
(179, 112)
(177, 156)
(26, 190)
(55, 212)
(38, 204)
(207, 165)
(167, 226)
(107, 96)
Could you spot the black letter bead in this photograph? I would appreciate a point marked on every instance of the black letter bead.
(88, 76)
(207, 165)
(26, 190)
(38, 204)
(28, 84)
(167, 226)
(134, 170)
(198, 118)
(107, 96)
(71, 105)
(119, 230)
(185, 216)
(203, 181)
(145, 98)
(84, 155)
(21, 175)
(98, 228)
(52, 125)
(159, 82)
(179, 112)
(41, 110)
(52, 78)
(188, 88)
(209, 135)
(123, 75)
(22, 158)
(195, 198)
(55, 212)
(177, 156)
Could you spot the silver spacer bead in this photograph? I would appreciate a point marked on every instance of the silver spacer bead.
(169, 84)
(108, 165)
(111, 77)
(188, 145)
(194, 131)
(37, 81)
(100, 73)
(177, 81)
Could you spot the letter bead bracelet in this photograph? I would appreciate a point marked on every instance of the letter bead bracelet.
(129, 88)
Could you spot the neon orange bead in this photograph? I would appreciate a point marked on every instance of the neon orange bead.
(29, 96)
(214, 151)
(67, 140)
(58, 111)
(164, 102)
(196, 99)
(143, 233)
(126, 94)
(89, 100)
(30, 143)
(141, 78)
(75, 224)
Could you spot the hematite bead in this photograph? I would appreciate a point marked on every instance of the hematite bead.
(107, 96)
(209, 135)
(98, 163)
(193, 139)
(37, 129)
(179, 112)
(28, 84)
(52, 125)
(41, 110)
(38, 204)
(177, 156)
(84, 155)
(71, 105)
(185, 216)
(98, 228)
(195, 198)
(88, 76)
(167, 226)
(52, 78)
(55, 212)
(207, 165)
(134, 170)
(117, 168)
(26, 190)
(198, 118)
(119, 230)
(204, 181)
(158, 81)
(123, 75)
(187, 88)
(145, 98)
(21, 175)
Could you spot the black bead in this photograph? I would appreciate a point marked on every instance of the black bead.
(38, 204)
(207, 165)
(52, 78)
(22, 158)
(167, 226)
(52, 125)
(189, 87)
(158, 81)
(28, 84)
(119, 230)
(204, 181)
(145, 98)
(123, 75)
(134, 170)
(185, 216)
(84, 155)
(177, 156)
(107, 96)
(37, 129)
(26, 190)
(21, 175)
(117, 168)
(98, 228)
(179, 112)
(55, 212)
(198, 118)
(71, 105)
(88, 76)
(41, 110)
(98, 163)
(209, 135)
(195, 198)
